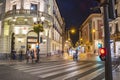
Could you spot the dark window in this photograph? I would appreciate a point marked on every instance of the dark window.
(116, 27)
(110, 29)
(115, 1)
(33, 7)
(116, 13)
(14, 7)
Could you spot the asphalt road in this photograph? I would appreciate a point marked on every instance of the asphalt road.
(54, 70)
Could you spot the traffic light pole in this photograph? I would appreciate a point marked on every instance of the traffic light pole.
(108, 63)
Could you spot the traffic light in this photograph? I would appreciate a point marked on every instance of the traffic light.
(99, 45)
(102, 54)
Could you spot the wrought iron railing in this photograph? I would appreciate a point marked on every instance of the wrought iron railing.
(27, 12)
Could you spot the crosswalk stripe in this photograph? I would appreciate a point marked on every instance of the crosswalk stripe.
(22, 67)
(50, 67)
(92, 75)
(72, 74)
(29, 68)
(62, 69)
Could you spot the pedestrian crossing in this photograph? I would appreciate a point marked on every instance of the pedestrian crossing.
(64, 70)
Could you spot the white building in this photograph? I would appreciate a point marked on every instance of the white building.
(91, 33)
(18, 21)
(115, 31)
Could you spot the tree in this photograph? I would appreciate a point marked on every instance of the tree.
(38, 27)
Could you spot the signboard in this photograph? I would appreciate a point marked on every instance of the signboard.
(32, 40)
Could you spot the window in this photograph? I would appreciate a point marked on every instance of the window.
(110, 29)
(116, 27)
(116, 13)
(33, 7)
(14, 7)
(115, 1)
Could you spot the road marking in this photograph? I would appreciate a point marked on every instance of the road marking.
(74, 73)
(93, 74)
(62, 71)
(55, 68)
(49, 67)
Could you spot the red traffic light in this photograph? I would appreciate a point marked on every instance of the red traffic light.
(103, 51)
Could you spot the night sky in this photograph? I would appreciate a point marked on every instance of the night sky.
(75, 12)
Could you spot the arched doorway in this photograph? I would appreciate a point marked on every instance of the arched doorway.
(31, 40)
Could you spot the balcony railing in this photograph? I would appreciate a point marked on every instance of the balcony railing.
(27, 12)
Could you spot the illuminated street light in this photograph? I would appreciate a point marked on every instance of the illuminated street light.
(72, 31)
(81, 39)
(38, 27)
(93, 30)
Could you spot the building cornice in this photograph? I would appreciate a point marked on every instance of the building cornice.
(89, 18)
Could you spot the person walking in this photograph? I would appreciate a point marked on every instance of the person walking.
(75, 55)
(37, 53)
(21, 55)
(28, 55)
(32, 55)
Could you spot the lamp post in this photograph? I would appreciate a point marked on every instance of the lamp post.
(108, 12)
(38, 27)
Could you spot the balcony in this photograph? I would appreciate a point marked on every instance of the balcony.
(27, 12)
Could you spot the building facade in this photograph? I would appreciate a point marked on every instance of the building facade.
(91, 34)
(18, 21)
(115, 31)
(2, 12)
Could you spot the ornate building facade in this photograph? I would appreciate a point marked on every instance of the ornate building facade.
(18, 21)
(91, 33)
(115, 31)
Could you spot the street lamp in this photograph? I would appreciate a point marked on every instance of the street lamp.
(93, 31)
(38, 27)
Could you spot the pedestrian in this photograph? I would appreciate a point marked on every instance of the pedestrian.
(32, 55)
(28, 55)
(21, 55)
(14, 55)
(37, 53)
(75, 55)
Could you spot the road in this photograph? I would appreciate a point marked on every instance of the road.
(54, 70)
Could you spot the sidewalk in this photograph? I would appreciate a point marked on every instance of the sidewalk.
(42, 59)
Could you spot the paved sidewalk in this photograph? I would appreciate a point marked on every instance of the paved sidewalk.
(42, 59)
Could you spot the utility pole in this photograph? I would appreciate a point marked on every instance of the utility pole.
(108, 62)
(109, 13)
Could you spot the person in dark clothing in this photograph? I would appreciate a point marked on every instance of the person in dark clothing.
(21, 55)
(28, 55)
(37, 55)
(75, 55)
(14, 55)
(32, 55)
